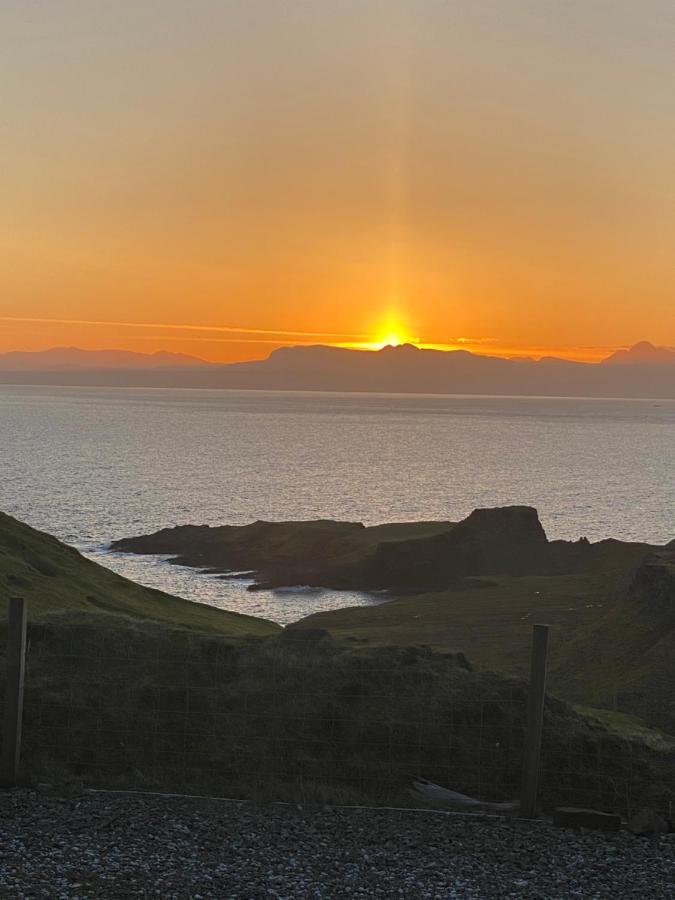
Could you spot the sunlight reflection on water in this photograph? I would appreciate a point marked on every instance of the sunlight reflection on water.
(94, 464)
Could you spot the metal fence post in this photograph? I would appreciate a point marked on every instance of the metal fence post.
(535, 722)
(16, 663)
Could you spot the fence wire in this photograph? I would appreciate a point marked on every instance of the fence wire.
(303, 718)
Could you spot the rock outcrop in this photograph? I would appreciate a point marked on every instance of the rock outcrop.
(503, 541)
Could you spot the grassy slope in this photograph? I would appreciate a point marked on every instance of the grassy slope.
(56, 578)
(607, 646)
(627, 657)
(490, 621)
(142, 705)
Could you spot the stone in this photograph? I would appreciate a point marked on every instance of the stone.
(648, 821)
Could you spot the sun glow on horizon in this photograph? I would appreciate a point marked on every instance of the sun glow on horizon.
(392, 339)
(392, 332)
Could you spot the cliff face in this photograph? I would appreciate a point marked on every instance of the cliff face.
(503, 541)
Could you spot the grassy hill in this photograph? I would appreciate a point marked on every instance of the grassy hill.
(613, 627)
(301, 717)
(488, 619)
(56, 578)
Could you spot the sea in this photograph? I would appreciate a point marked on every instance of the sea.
(91, 465)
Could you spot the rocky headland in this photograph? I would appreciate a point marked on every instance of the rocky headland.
(401, 558)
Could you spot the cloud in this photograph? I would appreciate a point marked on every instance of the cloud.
(214, 329)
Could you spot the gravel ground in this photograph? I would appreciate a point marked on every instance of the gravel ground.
(129, 846)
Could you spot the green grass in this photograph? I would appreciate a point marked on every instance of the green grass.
(142, 705)
(53, 577)
(489, 619)
(627, 726)
(608, 647)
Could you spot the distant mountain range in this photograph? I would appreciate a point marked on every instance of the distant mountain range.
(72, 359)
(644, 352)
(641, 371)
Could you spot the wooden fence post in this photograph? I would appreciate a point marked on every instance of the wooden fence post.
(535, 722)
(16, 663)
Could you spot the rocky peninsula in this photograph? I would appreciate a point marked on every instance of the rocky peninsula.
(401, 558)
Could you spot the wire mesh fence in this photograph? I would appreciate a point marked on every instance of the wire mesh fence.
(306, 719)
(278, 719)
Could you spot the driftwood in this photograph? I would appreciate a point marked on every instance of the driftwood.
(446, 799)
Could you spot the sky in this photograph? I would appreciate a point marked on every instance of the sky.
(221, 177)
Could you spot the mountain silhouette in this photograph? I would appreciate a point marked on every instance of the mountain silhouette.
(402, 369)
(72, 358)
(642, 353)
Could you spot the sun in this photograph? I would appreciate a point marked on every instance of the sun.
(393, 332)
(391, 339)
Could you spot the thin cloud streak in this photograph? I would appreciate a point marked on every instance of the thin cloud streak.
(234, 340)
(180, 327)
(490, 346)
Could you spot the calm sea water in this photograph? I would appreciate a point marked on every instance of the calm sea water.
(94, 464)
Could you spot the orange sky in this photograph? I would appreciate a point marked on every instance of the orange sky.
(219, 179)
(223, 343)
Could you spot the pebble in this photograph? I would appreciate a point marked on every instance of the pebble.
(128, 846)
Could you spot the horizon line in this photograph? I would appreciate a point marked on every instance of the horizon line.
(230, 334)
(523, 353)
